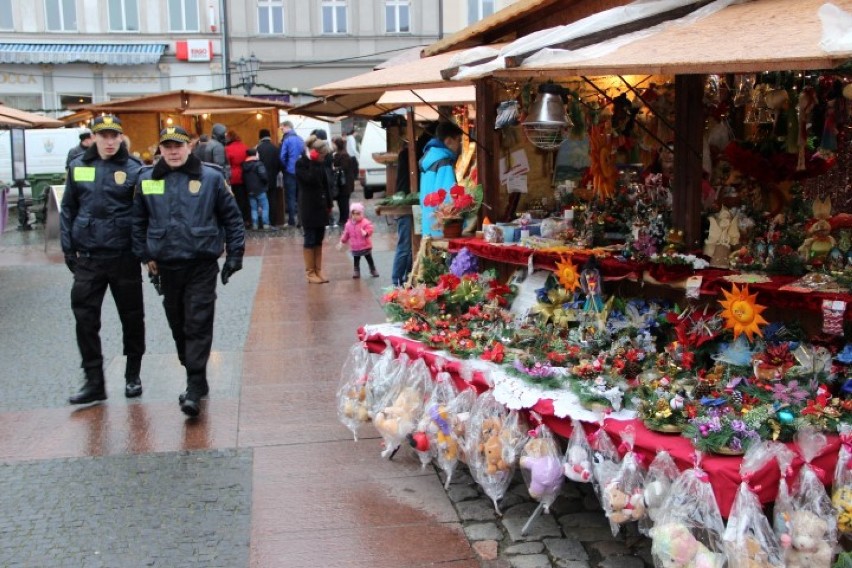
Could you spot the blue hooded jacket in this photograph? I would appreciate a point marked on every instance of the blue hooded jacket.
(437, 171)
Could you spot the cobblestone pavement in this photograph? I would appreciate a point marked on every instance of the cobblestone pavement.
(267, 477)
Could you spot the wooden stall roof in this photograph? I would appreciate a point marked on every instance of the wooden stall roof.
(14, 118)
(437, 96)
(761, 35)
(348, 104)
(499, 26)
(185, 102)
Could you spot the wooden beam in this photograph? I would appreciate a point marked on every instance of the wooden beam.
(487, 147)
(413, 173)
(613, 32)
(689, 132)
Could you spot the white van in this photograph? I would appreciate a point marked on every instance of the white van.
(373, 175)
(46, 152)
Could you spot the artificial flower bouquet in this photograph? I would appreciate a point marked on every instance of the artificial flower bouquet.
(463, 200)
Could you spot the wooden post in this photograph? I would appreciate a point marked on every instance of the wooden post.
(689, 132)
(413, 173)
(488, 149)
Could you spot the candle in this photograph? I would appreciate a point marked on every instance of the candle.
(568, 214)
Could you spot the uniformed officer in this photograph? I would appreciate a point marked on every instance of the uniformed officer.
(95, 230)
(184, 215)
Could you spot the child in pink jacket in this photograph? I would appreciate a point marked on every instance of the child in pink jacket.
(357, 233)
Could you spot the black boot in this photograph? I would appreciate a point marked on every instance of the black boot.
(205, 389)
(93, 389)
(133, 384)
(196, 389)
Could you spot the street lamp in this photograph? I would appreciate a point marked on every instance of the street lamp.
(247, 68)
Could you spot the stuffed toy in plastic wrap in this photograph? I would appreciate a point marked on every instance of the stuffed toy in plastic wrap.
(841, 494)
(541, 466)
(658, 482)
(578, 465)
(434, 432)
(675, 546)
(623, 495)
(403, 407)
(352, 392)
(809, 547)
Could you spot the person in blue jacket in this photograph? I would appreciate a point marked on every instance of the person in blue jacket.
(184, 217)
(437, 170)
(292, 148)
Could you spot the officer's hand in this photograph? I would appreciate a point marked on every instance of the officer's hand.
(232, 264)
(155, 280)
(71, 262)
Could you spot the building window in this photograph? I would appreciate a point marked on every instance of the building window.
(22, 102)
(334, 16)
(61, 15)
(67, 102)
(6, 21)
(123, 16)
(270, 16)
(183, 16)
(478, 9)
(397, 14)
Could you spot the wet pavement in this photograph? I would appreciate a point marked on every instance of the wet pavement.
(267, 477)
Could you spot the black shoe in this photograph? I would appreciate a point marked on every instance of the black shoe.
(133, 388)
(190, 406)
(93, 389)
(205, 390)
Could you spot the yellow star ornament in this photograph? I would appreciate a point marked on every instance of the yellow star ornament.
(567, 275)
(742, 312)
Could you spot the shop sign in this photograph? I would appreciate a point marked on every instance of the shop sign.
(133, 78)
(194, 50)
(7, 78)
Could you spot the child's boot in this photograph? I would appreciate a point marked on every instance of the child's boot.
(373, 272)
(356, 273)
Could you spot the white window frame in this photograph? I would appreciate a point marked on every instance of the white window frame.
(397, 6)
(480, 9)
(333, 7)
(6, 6)
(183, 27)
(269, 6)
(58, 8)
(123, 4)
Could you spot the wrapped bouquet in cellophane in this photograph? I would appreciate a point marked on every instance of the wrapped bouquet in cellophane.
(541, 466)
(402, 406)
(688, 532)
(782, 509)
(605, 460)
(623, 494)
(493, 441)
(813, 523)
(383, 378)
(352, 392)
(749, 539)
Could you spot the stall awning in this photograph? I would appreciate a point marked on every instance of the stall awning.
(355, 104)
(58, 53)
(762, 35)
(438, 96)
(423, 73)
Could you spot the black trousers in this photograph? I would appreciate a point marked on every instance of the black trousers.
(189, 298)
(123, 276)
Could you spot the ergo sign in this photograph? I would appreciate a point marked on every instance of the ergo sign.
(194, 50)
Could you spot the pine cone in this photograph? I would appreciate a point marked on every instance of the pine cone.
(632, 369)
(701, 390)
(736, 398)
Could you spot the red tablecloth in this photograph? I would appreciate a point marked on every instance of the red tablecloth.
(612, 268)
(723, 471)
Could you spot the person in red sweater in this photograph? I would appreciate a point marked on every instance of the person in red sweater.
(235, 152)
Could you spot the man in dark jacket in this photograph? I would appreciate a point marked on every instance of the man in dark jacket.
(80, 149)
(292, 148)
(184, 215)
(267, 153)
(95, 233)
(214, 150)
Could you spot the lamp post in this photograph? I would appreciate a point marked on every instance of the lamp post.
(247, 68)
(19, 174)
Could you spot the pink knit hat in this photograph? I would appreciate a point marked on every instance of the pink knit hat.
(359, 207)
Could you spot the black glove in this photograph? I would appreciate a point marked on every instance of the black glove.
(155, 280)
(71, 262)
(232, 264)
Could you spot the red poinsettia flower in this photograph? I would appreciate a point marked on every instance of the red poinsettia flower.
(448, 281)
(498, 292)
(556, 358)
(687, 359)
(496, 353)
(435, 198)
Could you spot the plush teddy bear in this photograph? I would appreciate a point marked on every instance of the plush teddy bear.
(748, 553)
(545, 469)
(398, 420)
(578, 467)
(445, 441)
(355, 406)
(842, 501)
(808, 545)
(623, 507)
(491, 446)
(656, 492)
(674, 546)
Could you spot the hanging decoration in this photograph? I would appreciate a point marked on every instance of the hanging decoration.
(741, 312)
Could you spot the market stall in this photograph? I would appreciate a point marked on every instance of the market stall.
(615, 166)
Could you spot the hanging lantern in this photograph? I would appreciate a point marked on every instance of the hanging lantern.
(547, 123)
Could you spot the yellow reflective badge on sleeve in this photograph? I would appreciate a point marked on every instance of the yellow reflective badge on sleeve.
(84, 173)
(153, 186)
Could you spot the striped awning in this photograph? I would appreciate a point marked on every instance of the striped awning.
(58, 53)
